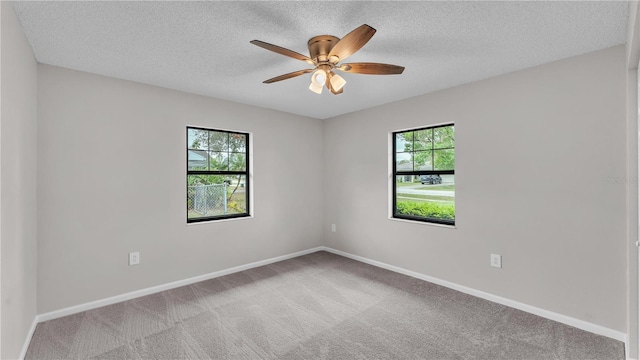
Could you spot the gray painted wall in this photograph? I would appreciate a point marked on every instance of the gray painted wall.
(18, 143)
(112, 163)
(633, 54)
(540, 169)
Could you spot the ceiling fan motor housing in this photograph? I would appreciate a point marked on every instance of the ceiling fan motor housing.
(320, 46)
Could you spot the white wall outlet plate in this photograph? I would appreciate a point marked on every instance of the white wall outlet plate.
(333, 227)
(496, 260)
(134, 258)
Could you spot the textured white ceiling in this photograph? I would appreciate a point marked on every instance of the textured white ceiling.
(203, 47)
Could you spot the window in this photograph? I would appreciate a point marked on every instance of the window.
(423, 173)
(217, 174)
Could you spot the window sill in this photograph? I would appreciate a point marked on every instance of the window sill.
(423, 223)
(219, 220)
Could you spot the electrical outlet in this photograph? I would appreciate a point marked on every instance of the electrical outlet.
(496, 260)
(333, 227)
(134, 258)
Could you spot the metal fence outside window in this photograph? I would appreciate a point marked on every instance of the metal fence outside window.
(207, 199)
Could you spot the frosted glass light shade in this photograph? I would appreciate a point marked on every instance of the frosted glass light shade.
(315, 88)
(319, 77)
(337, 82)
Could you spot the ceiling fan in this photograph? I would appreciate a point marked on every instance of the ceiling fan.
(325, 54)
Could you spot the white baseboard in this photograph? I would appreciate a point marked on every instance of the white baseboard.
(172, 285)
(580, 324)
(27, 341)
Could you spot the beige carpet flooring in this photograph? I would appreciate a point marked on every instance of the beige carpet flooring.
(318, 306)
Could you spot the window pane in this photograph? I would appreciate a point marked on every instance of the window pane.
(422, 139)
(218, 161)
(443, 137)
(197, 160)
(422, 160)
(444, 159)
(218, 141)
(237, 162)
(197, 139)
(403, 162)
(214, 195)
(237, 195)
(205, 195)
(238, 143)
(404, 142)
(432, 197)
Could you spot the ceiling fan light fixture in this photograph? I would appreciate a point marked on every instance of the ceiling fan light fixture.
(337, 82)
(315, 88)
(318, 80)
(319, 77)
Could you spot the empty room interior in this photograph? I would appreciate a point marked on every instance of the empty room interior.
(319, 180)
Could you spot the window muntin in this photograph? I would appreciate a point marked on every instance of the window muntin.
(424, 174)
(217, 174)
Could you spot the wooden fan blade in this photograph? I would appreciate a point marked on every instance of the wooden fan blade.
(282, 51)
(371, 68)
(352, 42)
(287, 76)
